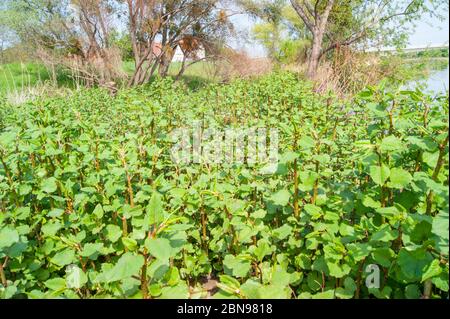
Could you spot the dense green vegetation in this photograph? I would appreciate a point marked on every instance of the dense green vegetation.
(429, 53)
(92, 206)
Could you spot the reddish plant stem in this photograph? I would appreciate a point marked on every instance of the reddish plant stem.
(144, 282)
(436, 172)
(2, 274)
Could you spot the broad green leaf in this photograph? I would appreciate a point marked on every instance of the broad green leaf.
(380, 174)
(113, 233)
(314, 211)
(25, 189)
(440, 228)
(154, 212)
(92, 251)
(383, 256)
(338, 270)
(8, 237)
(329, 294)
(262, 250)
(172, 276)
(98, 211)
(8, 292)
(75, 277)
(180, 291)
(280, 276)
(236, 266)
(252, 289)
(412, 292)
(384, 293)
(22, 213)
(431, 159)
(385, 234)
(259, 214)
(348, 291)
(359, 251)
(128, 265)
(441, 282)
(7, 138)
(63, 258)
(288, 157)
(399, 178)
(49, 185)
(228, 284)
(129, 243)
(433, 270)
(346, 230)
(282, 232)
(377, 109)
(306, 142)
(308, 180)
(55, 284)
(51, 228)
(281, 198)
(56, 213)
(392, 144)
(388, 212)
(370, 202)
(413, 264)
(160, 248)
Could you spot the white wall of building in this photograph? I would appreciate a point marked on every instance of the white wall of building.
(179, 56)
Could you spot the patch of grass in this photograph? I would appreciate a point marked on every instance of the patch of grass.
(195, 76)
(19, 76)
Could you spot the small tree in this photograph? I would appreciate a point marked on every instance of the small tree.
(72, 34)
(367, 21)
(157, 28)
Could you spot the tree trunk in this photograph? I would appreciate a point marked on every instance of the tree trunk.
(54, 78)
(182, 70)
(316, 23)
(165, 62)
(2, 55)
(316, 52)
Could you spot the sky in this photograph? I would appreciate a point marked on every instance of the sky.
(427, 32)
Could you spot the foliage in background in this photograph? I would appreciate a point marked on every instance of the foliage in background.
(123, 42)
(279, 30)
(428, 53)
(82, 36)
(334, 24)
(402, 70)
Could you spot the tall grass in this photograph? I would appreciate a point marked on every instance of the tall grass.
(18, 76)
(195, 75)
(21, 82)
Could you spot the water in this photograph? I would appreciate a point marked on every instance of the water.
(437, 82)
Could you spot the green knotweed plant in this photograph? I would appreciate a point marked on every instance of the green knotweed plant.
(92, 204)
